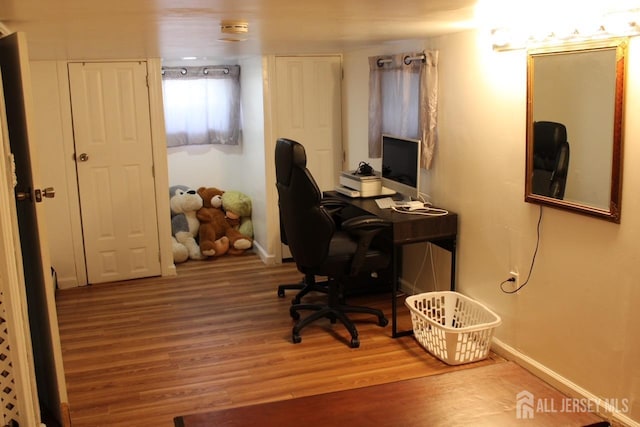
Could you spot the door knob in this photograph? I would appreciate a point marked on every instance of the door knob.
(48, 192)
(83, 157)
(23, 195)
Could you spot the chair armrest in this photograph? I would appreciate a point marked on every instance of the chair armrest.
(365, 228)
(365, 223)
(332, 205)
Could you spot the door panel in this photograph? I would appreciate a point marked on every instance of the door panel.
(34, 258)
(309, 111)
(115, 170)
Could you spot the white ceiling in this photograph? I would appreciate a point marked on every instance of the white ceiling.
(172, 29)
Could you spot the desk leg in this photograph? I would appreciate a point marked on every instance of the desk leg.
(394, 293)
(397, 268)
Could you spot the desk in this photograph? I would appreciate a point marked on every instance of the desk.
(406, 228)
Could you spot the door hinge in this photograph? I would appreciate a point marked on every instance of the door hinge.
(147, 79)
(153, 171)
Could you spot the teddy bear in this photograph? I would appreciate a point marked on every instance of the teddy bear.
(237, 208)
(212, 235)
(218, 226)
(184, 203)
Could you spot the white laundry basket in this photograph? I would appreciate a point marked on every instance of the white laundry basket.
(452, 326)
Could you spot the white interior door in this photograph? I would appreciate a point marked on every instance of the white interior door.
(308, 110)
(110, 110)
(32, 249)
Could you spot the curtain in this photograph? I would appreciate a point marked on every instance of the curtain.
(202, 105)
(403, 100)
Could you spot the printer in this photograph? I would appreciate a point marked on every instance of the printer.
(353, 184)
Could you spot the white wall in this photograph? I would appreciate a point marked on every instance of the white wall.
(576, 317)
(250, 174)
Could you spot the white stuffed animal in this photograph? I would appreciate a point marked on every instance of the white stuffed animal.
(184, 203)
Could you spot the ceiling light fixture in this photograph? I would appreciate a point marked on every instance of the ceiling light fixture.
(611, 25)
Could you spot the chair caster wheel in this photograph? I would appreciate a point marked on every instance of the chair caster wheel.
(294, 314)
(383, 321)
(355, 342)
(281, 293)
(296, 339)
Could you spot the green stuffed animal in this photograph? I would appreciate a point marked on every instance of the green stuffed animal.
(237, 208)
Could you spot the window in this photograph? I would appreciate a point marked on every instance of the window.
(202, 105)
(403, 98)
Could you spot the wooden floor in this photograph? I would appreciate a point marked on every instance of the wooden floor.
(142, 352)
(470, 397)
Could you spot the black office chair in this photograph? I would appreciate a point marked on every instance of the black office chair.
(550, 159)
(318, 247)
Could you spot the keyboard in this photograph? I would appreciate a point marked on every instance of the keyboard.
(385, 202)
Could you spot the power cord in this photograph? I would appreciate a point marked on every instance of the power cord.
(426, 211)
(533, 260)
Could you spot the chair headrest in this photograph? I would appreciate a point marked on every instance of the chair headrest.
(289, 154)
(548, 136)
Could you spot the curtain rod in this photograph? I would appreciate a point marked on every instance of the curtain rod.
(205, 70)
(407, 59)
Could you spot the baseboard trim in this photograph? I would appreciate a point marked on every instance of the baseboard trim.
(561, 383)
(264, 256)
(67, 283)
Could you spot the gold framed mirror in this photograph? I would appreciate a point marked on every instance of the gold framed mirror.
(575, 107)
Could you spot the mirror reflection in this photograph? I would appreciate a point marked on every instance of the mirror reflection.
(574, 119)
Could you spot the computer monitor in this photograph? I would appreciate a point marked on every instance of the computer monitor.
(401, 165)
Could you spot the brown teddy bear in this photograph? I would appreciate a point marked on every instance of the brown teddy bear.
(213, 239)
(217, 235)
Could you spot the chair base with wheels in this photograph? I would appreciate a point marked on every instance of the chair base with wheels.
(334, 310)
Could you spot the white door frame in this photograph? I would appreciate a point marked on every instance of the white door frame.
(14, 298)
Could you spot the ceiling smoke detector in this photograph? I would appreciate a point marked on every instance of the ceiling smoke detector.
(234, 28)
(233, 31)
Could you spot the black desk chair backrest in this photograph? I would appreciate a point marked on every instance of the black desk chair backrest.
(300, 207)
(550, 159)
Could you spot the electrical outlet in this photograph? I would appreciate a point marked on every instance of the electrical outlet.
(514, 274)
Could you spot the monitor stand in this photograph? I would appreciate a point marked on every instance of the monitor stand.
(387, 191)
